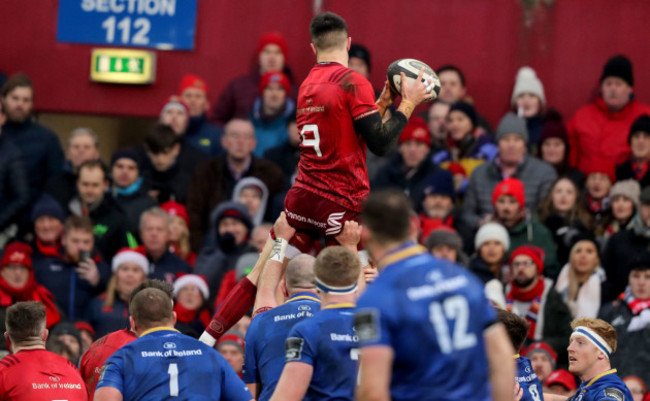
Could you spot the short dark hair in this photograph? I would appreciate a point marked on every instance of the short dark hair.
(25, 320)
(516, 327)
(387, 214)
(453, 68)
(327, 30)
(161, 139)
(163, 286)
(337, 266)
(151, 307)
(94, 164)
(16, 81)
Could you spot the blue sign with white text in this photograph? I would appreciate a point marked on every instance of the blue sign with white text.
(159, 24)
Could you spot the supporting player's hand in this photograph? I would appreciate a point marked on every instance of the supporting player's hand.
(416, 92)
(387, 95)
(350, 235)
(370, 273)
(518, 392)
(282, 229)
(87, 270)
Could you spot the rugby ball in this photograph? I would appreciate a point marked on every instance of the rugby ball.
(411, 68)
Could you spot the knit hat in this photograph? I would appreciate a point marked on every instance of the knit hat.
(544, 348)
(174, 101)
(440, 182)
(511, 124)
(173, 208)
(127, 153)
(17, 253)
(275, 77)
(360, 52)
(192, 81)
(233, 337)
(66, 328)
(620, 67)
(645, 196)
(641, 124)
(533, 252)
(245, 264)
(527, 82)
(640, 261)
(85, 326)
(466, 109)
(128, 255)
(233, 210)
(492, 231)
(563, 378)
(186, 279)
(510, 186)
(416, 129)
(629, 189)
(47, 206)
(601, 166)
(554, 129)
(444, 236)
(585, 236)
(273, 38)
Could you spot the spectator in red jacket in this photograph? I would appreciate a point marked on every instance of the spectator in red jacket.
(598, 131)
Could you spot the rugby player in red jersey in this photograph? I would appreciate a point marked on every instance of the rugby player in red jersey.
(31, 372)
(337, 116)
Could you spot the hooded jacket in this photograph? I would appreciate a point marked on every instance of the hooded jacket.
(249, 181)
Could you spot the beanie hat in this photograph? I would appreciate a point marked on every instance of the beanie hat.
(466, 109)
(245, 264)
(510, 186)
(640, 261)
(275, 77)
(17, 253)
(85, 326)
(361, 52)
(236, 211)
(544, 348)
(563, 378)
(620, 67)
(174, 101)
(527, 82)
(585, 236)
(127, 153)
(602, 167)
(192, 81)
(128, 255)
(492, 231)
(173, 208)
(444, 236)
(47, 206)
(187, 279)
(511, 124)
(641, 124)
(233, 337)
(554, 129)
(533, 252)
(66, 328)
(440, 182)
(273, 38)
(416, 129)
(629, 189)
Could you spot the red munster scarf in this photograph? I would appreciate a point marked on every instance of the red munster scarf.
(636, 305)
(32, 291)
(534, 296)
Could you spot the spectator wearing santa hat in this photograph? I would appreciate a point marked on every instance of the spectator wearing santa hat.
(508, 200)
(199, 133)
(109, 312)
(560, 382)
(543, 359)
(191, 294)
(409, 169)
(237, 100)
(17, 284)
(179, 232)
(272, 111)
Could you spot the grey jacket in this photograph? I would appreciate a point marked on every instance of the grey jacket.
(536, 175)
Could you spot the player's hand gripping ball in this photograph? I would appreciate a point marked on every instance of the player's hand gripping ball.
(411, 68)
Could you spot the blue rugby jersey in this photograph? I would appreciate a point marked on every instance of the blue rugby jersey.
(528, 380)
(432, 314)
(606, 386)
(265, 340)
(164, 364)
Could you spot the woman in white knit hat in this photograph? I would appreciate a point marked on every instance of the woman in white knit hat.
(528, 101)
(489, 262)
(624, 199)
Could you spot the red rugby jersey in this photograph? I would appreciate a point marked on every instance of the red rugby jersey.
(93, 360)
(37, 375)
(332, 156)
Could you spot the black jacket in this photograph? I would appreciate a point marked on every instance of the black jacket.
(624, 171)
(621, 248)
(167, 267)
(286, 157)
(14, 185)
(133, 205)
(63, 187)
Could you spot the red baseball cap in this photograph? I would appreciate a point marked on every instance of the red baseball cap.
(17, 253)
(192, 81)
(510, 186)
(562, 377)
(416, 130)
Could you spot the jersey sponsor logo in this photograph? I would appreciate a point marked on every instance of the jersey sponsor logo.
(304, 307)
(291, 316)
(169, 345)
(432, 290)
(614, 393)
(304, 219)
(526, 379)
(294, 348)
(334, 224)
(55, 379)
(343, 337)
(171, 353)
(366, 325)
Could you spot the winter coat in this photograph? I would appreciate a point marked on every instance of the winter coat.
(624, 171)
(587, 302)
(14, 183)
(133, 205)
(563, 234)
(63, 187)
(472, 153)
(167, 267)
(597, 135)
(270, 131)
(286, 156)
(536, 175)
(241, 184)
(204, 136)
(41, 151)
(213, 183)
(532, 232)
(106, 319)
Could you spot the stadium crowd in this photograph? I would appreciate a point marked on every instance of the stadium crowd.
(552, 215)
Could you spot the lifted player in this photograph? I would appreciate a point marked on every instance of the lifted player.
(337, 116)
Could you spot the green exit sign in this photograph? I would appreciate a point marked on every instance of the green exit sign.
(123, 66)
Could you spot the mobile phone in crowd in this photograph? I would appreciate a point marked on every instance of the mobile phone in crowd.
(83, 255)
